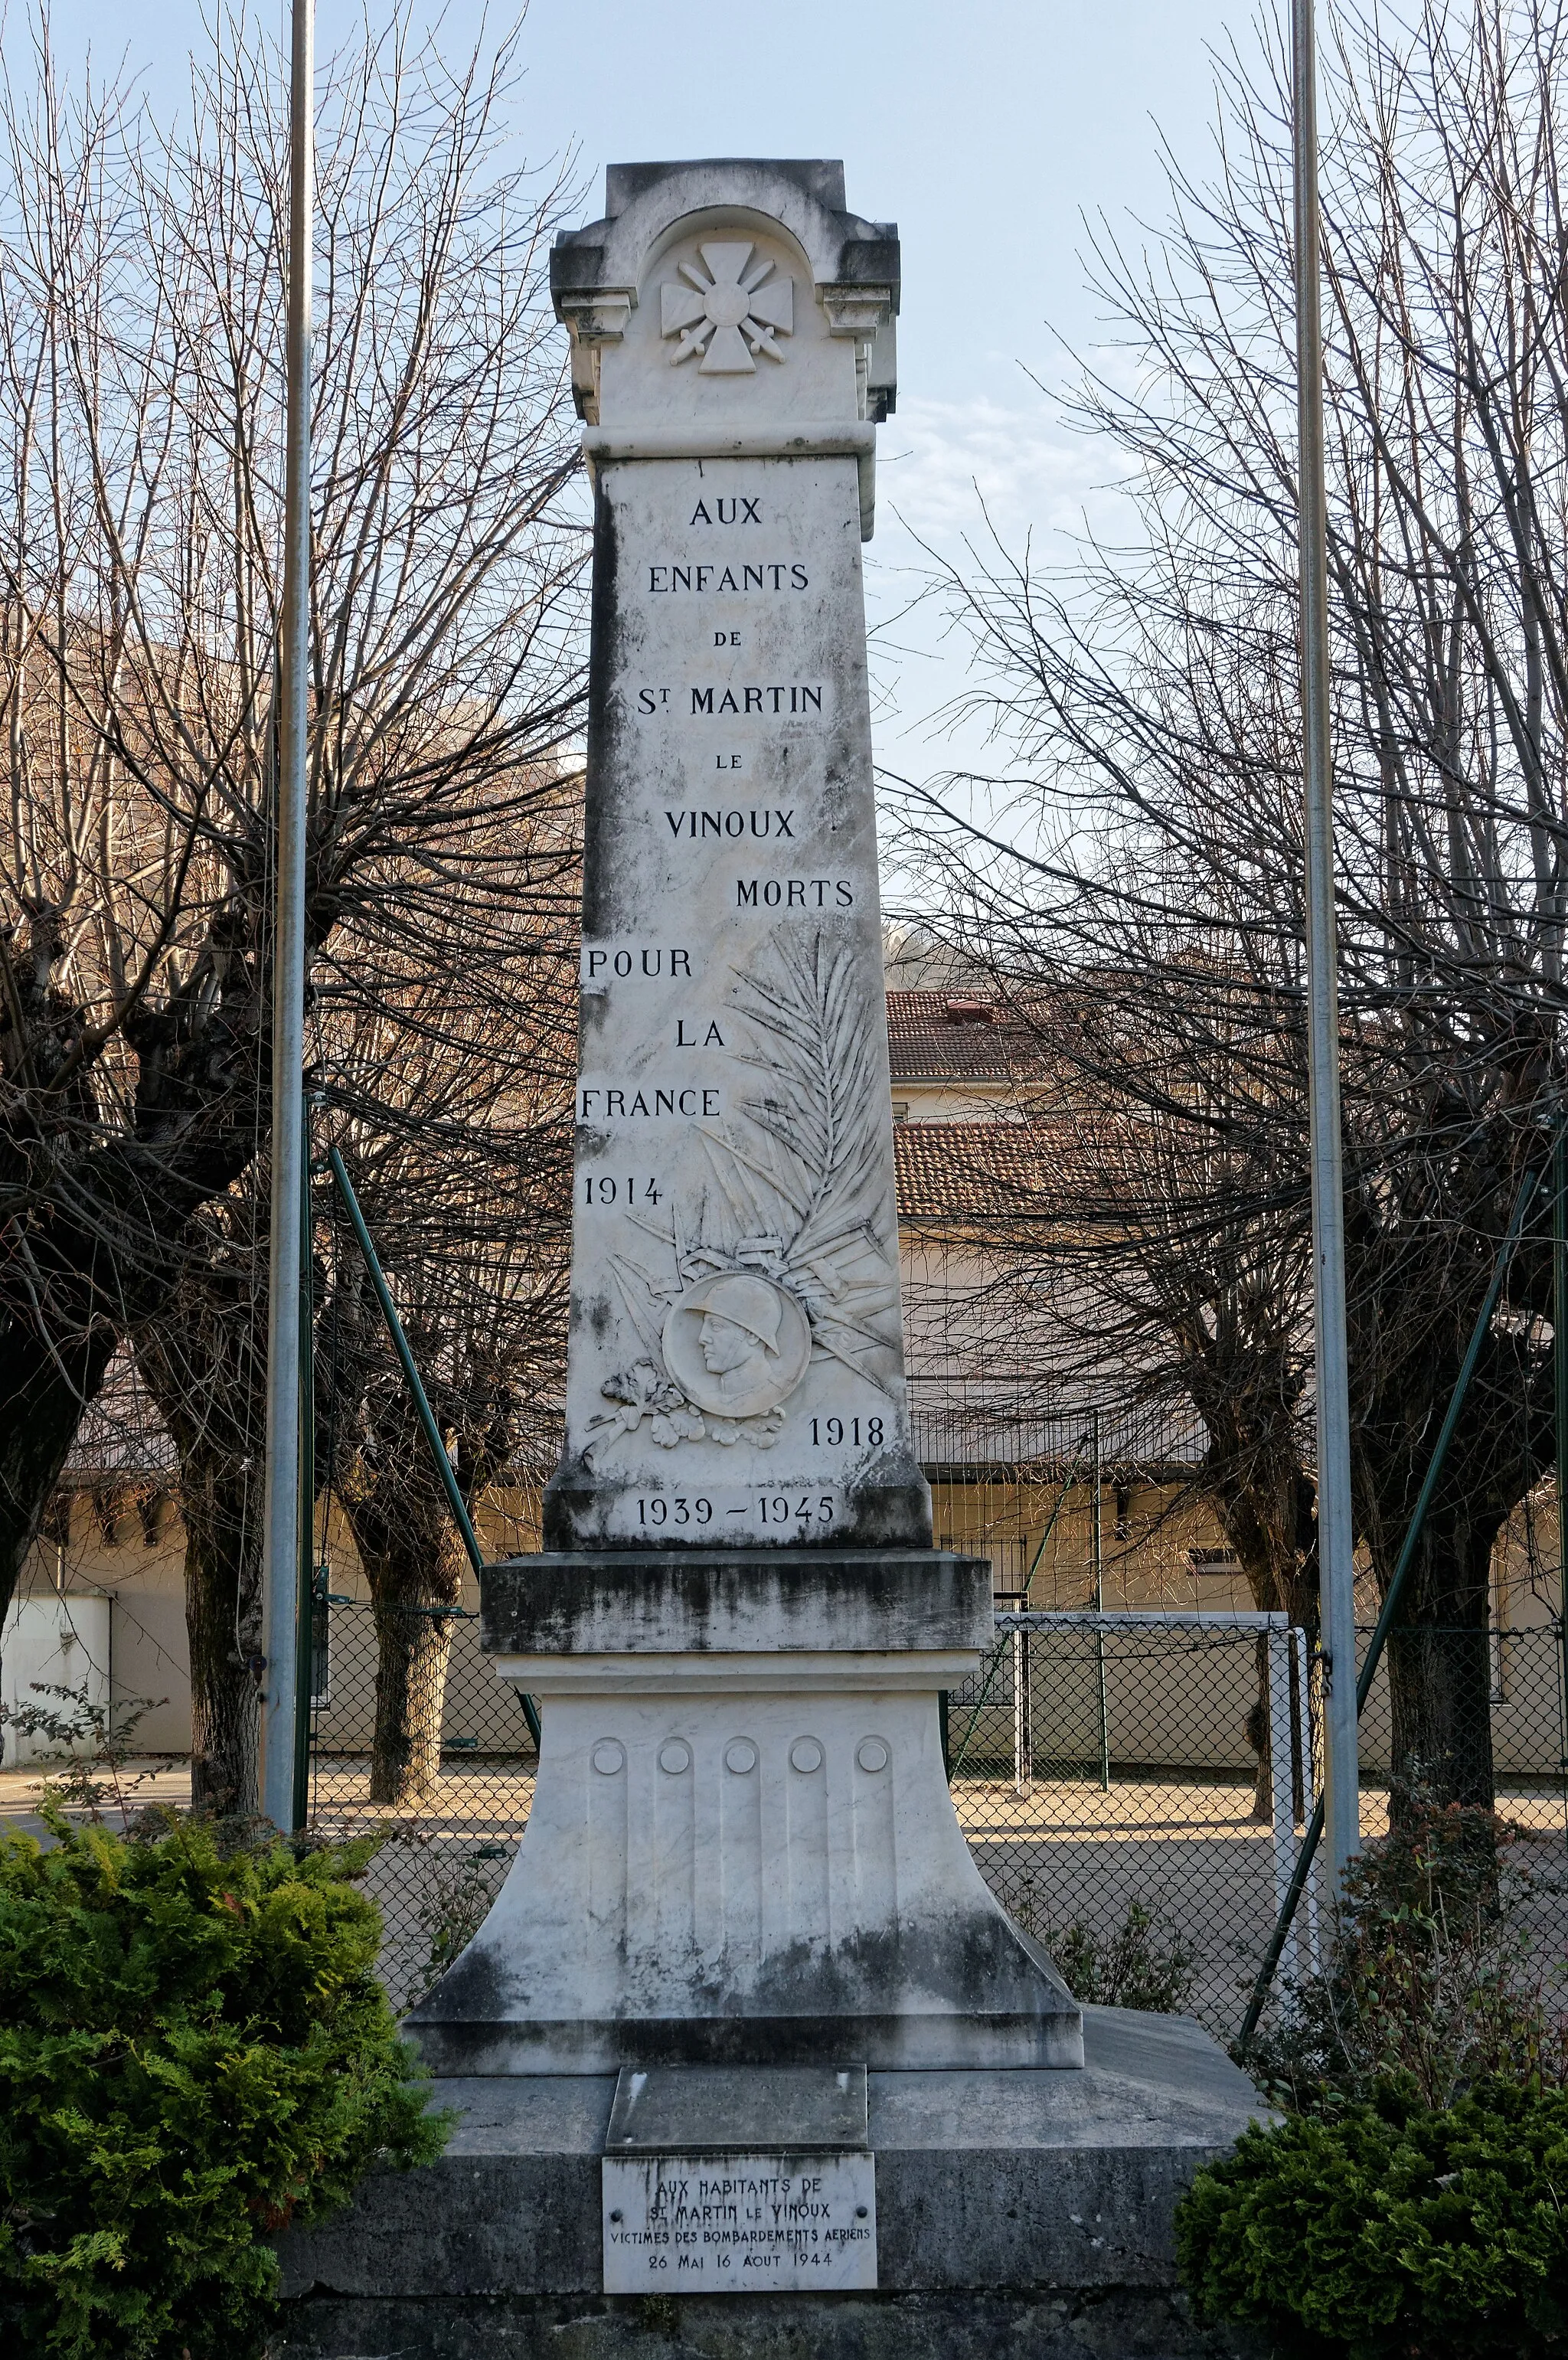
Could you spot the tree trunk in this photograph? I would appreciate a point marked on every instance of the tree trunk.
(413, 1562)
(107, 1252)
(1439, 1673)
(1440, 1693)
(222, 1621)
(40, 1408)
(413, 1649)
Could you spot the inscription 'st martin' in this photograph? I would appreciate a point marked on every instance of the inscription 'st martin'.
(724, 1327)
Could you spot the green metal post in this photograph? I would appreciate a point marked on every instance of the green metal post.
(1099, 1609)
(455, 1501)
(1559, 1373)
(305, 1626)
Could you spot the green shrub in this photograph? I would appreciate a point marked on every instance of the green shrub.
(193, 2051)
(1138, 1965)
(1135, 1967)
(1392, 2231)
(1430, 1982)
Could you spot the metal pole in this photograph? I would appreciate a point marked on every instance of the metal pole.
(1099, 1609)
(280, 1545)
(1559, 1373)
(305, 1628)
(1336, 1569)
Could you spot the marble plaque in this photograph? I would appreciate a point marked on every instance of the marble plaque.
(739, 2224)
(736, 1360)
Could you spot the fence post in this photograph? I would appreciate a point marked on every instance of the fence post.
(1302, 1734)
(1560, 1377)
(1023, 1751)
(305, 1624)
(1280, 1781)
(1099, 1609)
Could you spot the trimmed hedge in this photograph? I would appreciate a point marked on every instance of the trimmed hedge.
(1392, 2228)
(193, 2050)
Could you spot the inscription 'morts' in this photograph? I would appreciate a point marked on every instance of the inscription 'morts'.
(793, 893)
(692, 824)
(663, 580)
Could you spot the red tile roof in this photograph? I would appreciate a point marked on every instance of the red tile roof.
(965, 1172)
(959, 1036)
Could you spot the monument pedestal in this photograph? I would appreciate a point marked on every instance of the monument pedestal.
(1027, 2212)
(742, 1860)
(742, 1846)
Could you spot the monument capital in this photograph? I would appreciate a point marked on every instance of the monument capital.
(732, 305)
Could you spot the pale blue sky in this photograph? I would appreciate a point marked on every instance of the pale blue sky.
(984, 130)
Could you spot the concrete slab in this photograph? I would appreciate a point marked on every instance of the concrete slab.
(709, 2109)
(986, 2182)
(1114, 2325)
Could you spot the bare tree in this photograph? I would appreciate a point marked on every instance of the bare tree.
(1142, 867)
(452, 1107)
(141, 342)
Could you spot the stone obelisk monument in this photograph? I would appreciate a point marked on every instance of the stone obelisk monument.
(742, 1847)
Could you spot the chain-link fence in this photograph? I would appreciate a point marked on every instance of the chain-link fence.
(414, 1739)
(1129, 1795)
(1132, 1785)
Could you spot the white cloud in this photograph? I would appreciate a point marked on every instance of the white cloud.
(939, 462)
(949, 476)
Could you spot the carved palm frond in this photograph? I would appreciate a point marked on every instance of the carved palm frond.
(810, 1014)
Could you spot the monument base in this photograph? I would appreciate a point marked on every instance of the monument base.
(1024, 2211)
(742, 1848)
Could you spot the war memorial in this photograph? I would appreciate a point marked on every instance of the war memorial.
(746, 2055)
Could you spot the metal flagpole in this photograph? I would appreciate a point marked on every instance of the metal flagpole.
(280, 1561)
(1336, 1574)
